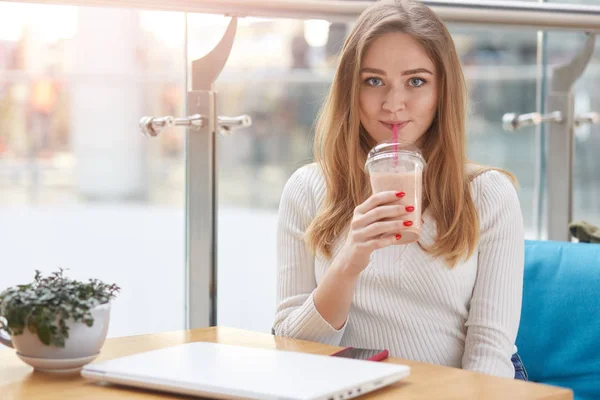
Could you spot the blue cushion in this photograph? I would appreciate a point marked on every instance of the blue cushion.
(559, 335)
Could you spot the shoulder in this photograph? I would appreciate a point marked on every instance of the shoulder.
(307, 177)
(312, 173)
(306, 185)
(494, 192)
(486, 178)
(493, 179)
(497, 203)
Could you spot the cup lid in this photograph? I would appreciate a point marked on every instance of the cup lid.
(400, 149)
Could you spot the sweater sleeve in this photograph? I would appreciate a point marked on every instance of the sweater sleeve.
(495, 308)
(296, 315)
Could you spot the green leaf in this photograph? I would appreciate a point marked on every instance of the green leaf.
(44, 334)
(44, 305)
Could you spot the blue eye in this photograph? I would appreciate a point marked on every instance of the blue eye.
(416, 82)
(374, 81)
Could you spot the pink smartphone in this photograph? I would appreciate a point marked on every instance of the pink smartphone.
(362, 354)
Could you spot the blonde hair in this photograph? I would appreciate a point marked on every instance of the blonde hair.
(342, 144)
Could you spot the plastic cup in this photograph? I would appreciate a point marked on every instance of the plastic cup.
(398, 166)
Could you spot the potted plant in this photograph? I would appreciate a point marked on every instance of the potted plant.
(56, 323)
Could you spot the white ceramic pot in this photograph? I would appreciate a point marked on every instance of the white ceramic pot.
(81, 347)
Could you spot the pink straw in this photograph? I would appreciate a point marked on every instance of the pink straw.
(395, 136)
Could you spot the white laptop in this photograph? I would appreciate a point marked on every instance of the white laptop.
(235, 372)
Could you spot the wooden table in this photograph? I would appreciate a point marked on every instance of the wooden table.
(427, 381)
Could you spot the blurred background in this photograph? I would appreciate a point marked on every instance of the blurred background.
(82, 189)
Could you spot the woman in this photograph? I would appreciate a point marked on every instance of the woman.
(453, 298)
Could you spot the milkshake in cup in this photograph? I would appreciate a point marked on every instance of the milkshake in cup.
(398, 166)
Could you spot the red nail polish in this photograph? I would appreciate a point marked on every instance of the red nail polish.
(410, 209)
(398, 237)
(400, 194)
(422, 221)
(407, 223)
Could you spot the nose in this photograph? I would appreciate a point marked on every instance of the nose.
(395, 100)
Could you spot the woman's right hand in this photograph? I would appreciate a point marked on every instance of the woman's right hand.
(376, 223)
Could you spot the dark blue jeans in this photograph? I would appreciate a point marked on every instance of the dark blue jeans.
(520, 372)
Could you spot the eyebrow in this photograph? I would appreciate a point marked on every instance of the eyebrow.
(407, 72)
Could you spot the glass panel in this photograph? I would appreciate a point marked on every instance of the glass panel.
(279, 73)
(80, 187)
(562, 47)
(500, 67)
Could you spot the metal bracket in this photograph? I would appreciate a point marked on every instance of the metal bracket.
(152, 126)
(201, 186)
(565, 75)
(201, 178)
(590, 118)
(513, 122)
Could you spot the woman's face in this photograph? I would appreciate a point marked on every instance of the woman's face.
(398, 86)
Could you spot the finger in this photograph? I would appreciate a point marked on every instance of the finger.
(379, 229)
(383, 213)
(379, 199)
(384, 241)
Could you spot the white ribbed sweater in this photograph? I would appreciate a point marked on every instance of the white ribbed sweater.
(405, 300)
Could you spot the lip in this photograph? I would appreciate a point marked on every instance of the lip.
(390, 124)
